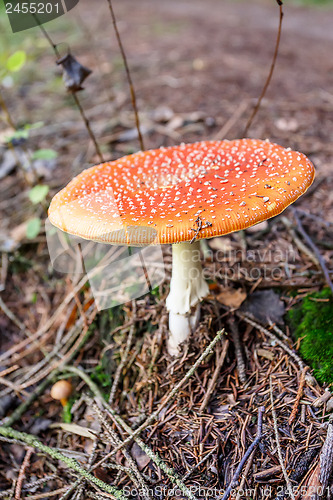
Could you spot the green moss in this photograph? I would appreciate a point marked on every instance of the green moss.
(101, 376)
(312, 322)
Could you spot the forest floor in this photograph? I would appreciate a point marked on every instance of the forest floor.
(198, 68)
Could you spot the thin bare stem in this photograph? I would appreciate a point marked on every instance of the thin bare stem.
(211, 386)
(128, 75)
(88, 127)
(314, 248)
(270, 74)
(5, 109)
(76, 99)
(47, 36)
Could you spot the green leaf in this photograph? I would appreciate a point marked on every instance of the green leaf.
(24, 132)
(16, 60)
(31, 126)
(19, 134)
(33, 228)
(38, 193)
(44, 154)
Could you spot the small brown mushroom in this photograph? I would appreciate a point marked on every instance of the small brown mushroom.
(61, 391)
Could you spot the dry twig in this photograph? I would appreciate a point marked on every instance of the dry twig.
(271, 335)
(128, 75)
(326, 457)
(238, 349)
(32, 441)
(212, 383)
(25, 464)
(278, 445)
(124, 357)
(250, 449)
(298, 396)
(314, 248)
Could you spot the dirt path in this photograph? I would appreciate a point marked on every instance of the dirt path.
(211, 55)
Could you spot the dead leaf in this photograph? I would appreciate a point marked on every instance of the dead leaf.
(231, 297)
(74, 73)
(139, 456)
(224, 244)
(265, 306)
(102, 474)
(264, 353)
(75, 429)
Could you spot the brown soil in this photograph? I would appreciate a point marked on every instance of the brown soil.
(198, 68)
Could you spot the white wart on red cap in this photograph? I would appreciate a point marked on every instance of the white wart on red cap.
(163, 195)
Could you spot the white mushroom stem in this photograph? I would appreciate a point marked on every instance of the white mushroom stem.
(187, 288)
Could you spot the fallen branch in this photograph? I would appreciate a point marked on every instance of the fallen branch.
(153, 456)
(32, 441)
(21, 476)
(326, 457)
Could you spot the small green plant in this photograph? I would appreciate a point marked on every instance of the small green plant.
(44, 154)
(312, 322)
(33, 227)
(38, 193)
(16, 61)
(23, 133)
(66, 412)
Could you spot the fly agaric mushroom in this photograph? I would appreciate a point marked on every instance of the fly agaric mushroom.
(180, 195)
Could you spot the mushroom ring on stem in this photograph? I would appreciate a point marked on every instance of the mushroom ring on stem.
(179, 195)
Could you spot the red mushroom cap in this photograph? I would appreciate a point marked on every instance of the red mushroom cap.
(170, 195)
